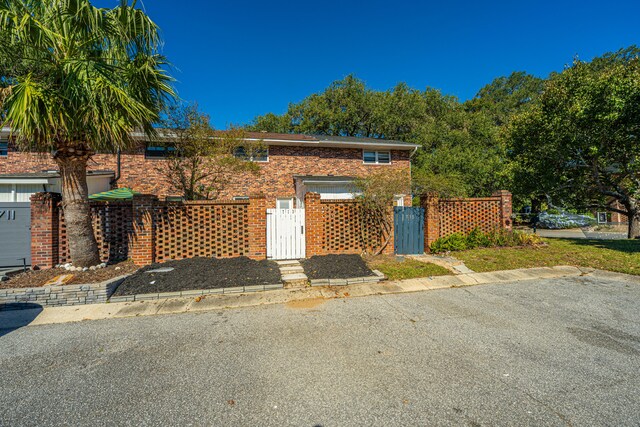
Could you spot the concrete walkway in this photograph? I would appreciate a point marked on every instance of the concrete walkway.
(13, 319)
(452, 264)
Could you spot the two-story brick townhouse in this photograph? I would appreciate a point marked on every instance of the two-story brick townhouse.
(290, 166)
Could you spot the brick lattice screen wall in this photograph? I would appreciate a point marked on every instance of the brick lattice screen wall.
(190, 229)
(148, 230)
(111, 226)
(444, 217)
(336, 227)
(463, 215)
(343, 228)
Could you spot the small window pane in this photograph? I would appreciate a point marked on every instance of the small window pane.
(157, 151)
(284, 203)
(261, 155)
(240, 153)
(258, 155)
(369, 156)
(4, 149)
(384, 157)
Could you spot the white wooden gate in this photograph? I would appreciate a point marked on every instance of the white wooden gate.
(285, 234)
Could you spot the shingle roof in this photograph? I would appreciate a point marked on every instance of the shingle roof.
(358, 139)
(266, 136)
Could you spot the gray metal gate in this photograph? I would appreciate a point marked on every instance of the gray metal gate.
(408, 230)
(15, 234)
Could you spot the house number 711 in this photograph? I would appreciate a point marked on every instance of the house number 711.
(10, 214)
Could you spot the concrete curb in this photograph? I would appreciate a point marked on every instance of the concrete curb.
(15, 319)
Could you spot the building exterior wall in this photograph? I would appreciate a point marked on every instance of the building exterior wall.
(275, 178)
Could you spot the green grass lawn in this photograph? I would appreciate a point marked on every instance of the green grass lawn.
(621, 256)
(394, 269)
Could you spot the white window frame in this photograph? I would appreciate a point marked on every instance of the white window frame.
(398, 200)
(284, 199)
(377, 152)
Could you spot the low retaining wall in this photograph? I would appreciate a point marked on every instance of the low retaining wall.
(196, 293)
(55, 296)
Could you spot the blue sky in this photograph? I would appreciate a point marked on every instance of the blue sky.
(239, 59)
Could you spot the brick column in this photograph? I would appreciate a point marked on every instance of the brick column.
(314, 224)
(505, 208)
(431, 204)
(142, 250)
(390, 249)
(257, 217)
(45, 221)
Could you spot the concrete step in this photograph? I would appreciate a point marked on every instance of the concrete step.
(292, 270)
(295, 280)
(288, 262)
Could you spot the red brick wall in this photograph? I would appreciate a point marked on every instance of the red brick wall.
(112, 228)
(147, 230)
(275, 178)
(336, 227)
(44, 229)
(202, 228)
(444, 217)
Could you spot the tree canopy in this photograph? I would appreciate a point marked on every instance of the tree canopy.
(75, 78)
(461, 154)
(579, 143)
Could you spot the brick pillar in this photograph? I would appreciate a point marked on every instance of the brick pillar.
(431, 204)
(505, 208)
(45, 221)
(257, 217)
(314, 224)
(142, 248)
(390, 249)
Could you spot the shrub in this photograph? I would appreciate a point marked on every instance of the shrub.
(480, 239)
(453, 242)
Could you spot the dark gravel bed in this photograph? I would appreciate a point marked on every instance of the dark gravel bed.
(335, 267)
(36, 278)
(201, 273)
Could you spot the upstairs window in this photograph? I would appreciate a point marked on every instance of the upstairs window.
(257, 155)
(4, 148)
(376, 157)
(158, 151)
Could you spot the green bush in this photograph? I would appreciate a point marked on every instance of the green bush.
(480, 239)
(453, 242)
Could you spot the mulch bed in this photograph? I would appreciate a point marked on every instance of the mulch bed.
(37, 278)
(335, 267)
(200, 273)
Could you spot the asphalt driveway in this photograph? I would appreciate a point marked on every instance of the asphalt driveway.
(556, 352)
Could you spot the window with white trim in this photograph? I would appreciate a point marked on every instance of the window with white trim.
(376, 157)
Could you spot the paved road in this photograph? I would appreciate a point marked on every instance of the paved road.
(561, 352)
(577, 233)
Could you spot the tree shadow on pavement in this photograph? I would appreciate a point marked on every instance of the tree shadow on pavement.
(17, 315)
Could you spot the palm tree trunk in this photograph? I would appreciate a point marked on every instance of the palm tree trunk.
(83, 248)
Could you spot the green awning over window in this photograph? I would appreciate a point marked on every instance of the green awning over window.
(117, 194)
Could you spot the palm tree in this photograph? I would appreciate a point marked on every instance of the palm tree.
(76, 79)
